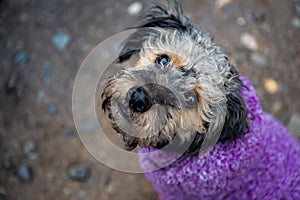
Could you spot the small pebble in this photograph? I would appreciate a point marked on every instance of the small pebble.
(29, 149)
(134, 8)
(109, 189)
(221, 3)
(296, 22)
(79, 173)
(241, 21)
(61, 40)
(24, 173)
(52, 109)
(8, 164)
(259, 59)
(90, 127)
(85, 47)
(297, 6)
(41, 95)
(294, 125)
(24, 17)
(271, 85)
(108, 11)
(21, 58)
(276, 106)
(248, 41)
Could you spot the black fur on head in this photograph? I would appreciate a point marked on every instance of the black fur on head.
(158, 16)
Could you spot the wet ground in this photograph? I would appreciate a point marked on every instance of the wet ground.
(42, 46)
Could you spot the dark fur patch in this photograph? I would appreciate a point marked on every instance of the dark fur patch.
(236, 122)
(159, 16)
(170, 17)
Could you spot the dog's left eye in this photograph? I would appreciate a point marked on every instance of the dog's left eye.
(163, 60)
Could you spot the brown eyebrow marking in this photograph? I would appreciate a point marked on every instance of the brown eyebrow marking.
(177, 60)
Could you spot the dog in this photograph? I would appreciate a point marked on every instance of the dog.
(184, 97)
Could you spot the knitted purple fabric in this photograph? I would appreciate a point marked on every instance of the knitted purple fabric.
(266, 166)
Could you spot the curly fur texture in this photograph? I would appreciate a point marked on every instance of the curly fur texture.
(198, 69)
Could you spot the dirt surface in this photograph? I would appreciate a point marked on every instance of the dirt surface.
(38, 141)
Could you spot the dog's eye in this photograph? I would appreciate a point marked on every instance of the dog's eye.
(163, 60)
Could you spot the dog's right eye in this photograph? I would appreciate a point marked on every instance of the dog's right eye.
(163, 60)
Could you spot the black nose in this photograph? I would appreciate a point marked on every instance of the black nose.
(139, 101)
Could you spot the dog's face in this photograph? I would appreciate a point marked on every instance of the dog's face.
(181, 85)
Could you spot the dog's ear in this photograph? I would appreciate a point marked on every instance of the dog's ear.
(236, 121)
(158, 16)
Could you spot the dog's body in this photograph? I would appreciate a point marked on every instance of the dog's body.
(265, 166)
(183, 92)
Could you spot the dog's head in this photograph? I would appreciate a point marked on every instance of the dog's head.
(182, 84)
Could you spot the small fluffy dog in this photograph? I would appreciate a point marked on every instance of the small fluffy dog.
(182, 94)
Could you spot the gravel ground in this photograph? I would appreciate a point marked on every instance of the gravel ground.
(42, 46)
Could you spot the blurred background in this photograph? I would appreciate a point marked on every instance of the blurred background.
(42, 44)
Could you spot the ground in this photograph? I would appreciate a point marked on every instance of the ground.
(43, 44)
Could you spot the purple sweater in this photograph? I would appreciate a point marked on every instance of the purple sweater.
(266, 166)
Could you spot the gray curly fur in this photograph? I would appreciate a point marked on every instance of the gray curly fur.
(204, 70)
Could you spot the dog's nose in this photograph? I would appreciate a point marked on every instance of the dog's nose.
(139, 101)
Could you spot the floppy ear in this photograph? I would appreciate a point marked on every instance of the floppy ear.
(159, 16)
(236, 122)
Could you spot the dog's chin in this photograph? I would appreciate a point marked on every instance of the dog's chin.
(160, 144)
